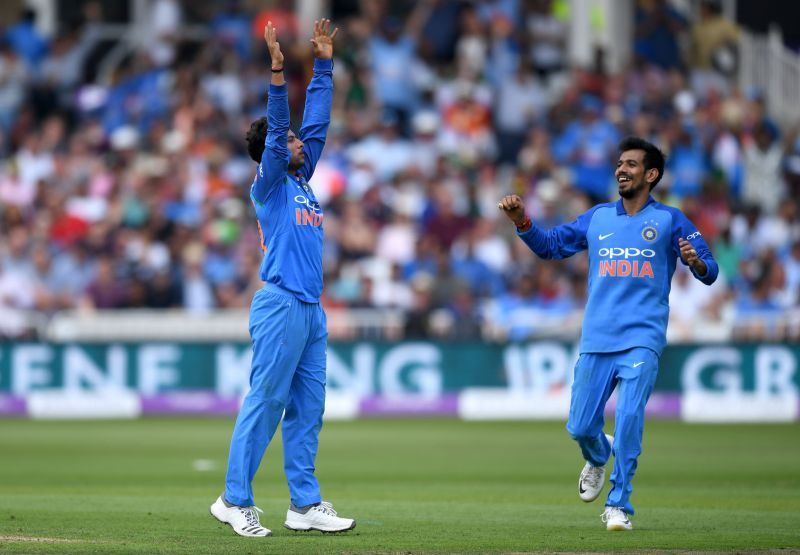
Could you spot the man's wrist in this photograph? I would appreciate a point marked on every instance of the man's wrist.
(700, 268)
(524, 225)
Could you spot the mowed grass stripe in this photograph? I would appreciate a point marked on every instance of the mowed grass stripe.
(419, 486)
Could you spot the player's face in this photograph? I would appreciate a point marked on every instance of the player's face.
(296, 149)
(630, 174)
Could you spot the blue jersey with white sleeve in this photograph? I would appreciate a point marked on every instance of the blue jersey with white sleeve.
(289, 216)
(631, 262)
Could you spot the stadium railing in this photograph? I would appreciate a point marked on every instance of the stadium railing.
(767, 65)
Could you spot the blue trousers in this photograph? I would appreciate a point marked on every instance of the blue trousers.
(596, 376)
(287, 379)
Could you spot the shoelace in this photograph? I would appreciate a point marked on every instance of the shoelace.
(327, 508)
(251, 515)
(613, 512)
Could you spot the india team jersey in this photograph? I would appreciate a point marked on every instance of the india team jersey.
(631, 262)
(290, 220)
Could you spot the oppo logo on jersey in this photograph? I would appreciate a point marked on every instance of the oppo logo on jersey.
(625, 267)
(629, 252)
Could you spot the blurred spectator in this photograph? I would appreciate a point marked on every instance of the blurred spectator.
(25, 39)
(392, 52)
(521, 103)
(17, 297)
(466, 132)
(548, 35)
(763, 157)
(588, 147)
(165, 20)
(658, 28)
(13, 80)
(472, 47)
(714, 51)
(232, 28)
(687, 164)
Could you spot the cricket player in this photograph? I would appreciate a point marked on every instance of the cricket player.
(287, 323)
(633, 245)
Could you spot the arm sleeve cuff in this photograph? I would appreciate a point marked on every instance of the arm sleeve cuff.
(323, 65)
(278, 89)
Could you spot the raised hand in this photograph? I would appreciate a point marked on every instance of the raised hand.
(514, 208)
(322, 41)
(271, 38)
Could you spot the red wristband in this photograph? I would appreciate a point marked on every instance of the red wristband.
(526, 225)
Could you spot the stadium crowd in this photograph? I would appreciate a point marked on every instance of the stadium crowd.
(134, 193)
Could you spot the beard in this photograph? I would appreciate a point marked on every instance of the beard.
(633, 189)
(295, 163)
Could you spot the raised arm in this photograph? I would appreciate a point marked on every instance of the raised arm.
(319, 97)
(275, 158)
(559, 242)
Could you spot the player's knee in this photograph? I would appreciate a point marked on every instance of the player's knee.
(261, 397)
(275, 404)
(580, 431)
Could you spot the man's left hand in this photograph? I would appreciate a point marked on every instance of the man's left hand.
(689, 255)
(323, 39)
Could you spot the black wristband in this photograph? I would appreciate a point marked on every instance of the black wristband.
(277, 69)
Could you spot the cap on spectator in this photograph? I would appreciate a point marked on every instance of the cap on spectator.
(124, 138)
(425, 122)
(91, 98)
(547, 190)
(685, 102)
(173, 142)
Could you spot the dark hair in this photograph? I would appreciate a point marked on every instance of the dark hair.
(256, 137)
(653, 157)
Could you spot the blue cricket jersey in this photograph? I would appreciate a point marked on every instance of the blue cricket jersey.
(631, 262)
(289, 216)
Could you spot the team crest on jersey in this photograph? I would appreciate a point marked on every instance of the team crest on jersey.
(649, 234)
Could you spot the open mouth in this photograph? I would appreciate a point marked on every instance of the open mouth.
(623, 179)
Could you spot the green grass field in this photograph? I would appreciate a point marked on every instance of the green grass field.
(415, 486)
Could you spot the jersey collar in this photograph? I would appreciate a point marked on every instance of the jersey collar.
(621, 208)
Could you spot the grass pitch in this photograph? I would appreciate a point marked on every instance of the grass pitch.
(414, 486)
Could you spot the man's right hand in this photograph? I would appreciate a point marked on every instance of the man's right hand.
(271, 38)
(514, 208)
(323, 39)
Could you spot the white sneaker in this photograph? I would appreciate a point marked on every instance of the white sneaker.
(321, 517)
(616, 519)
(591, 482)
(243, 520)
(592, 479)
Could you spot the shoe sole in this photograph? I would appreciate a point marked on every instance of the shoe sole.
(618, 528)
(319, 529)
(218, 519)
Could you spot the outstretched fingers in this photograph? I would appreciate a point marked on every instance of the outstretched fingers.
(270, 34)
